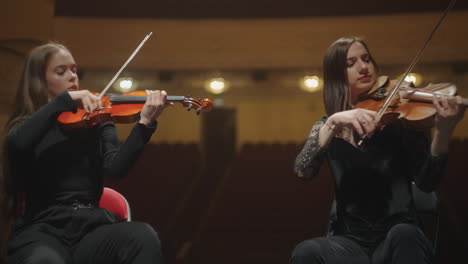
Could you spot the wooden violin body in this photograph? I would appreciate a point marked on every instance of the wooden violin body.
(412, 106)
(123, 108)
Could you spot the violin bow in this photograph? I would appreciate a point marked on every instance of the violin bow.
(413, 63)
(124, 65)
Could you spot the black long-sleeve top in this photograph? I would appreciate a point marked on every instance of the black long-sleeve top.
(373, 183)
(59, 167)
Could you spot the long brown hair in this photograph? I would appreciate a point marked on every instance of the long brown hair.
(32, 90)
(31, 94)
(336, 93)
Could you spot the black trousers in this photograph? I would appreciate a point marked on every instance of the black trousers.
(126, 242)
(404, 243)
(94, 235)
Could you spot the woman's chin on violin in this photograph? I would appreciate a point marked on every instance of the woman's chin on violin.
(354, 111)
(61, 75)
(73, 88)
(360, 71)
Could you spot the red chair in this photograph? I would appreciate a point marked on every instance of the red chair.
(116, 203)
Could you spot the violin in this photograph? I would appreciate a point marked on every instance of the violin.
(412, 106)
(124, 108)
(408, 104)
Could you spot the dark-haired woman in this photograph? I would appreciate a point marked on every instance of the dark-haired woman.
(375, 215)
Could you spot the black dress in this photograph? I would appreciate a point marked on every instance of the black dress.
(373, 183)
(58, 170)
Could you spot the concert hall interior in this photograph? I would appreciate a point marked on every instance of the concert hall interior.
(219, 187)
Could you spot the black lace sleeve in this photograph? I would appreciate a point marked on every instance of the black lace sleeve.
(310, 159)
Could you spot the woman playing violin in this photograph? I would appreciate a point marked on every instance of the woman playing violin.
(56, 176)
(375, 220)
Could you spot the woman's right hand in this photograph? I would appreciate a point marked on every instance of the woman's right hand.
(88, 101)
(362, 121)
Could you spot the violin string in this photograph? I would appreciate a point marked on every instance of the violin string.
(125, 65)
(413, 63)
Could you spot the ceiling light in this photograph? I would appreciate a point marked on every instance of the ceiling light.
(311, 83)
(216, 85)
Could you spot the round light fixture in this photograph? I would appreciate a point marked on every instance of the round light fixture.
(414, 78)
(311, 83)
(216, 86)
(125, 84)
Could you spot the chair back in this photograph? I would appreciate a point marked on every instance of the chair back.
(425, 203)
(116, 203)
(428, 204)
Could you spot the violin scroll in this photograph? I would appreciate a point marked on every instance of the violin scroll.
(205, 105)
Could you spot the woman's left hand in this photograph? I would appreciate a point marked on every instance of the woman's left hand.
(450, 111)
(154, 106)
